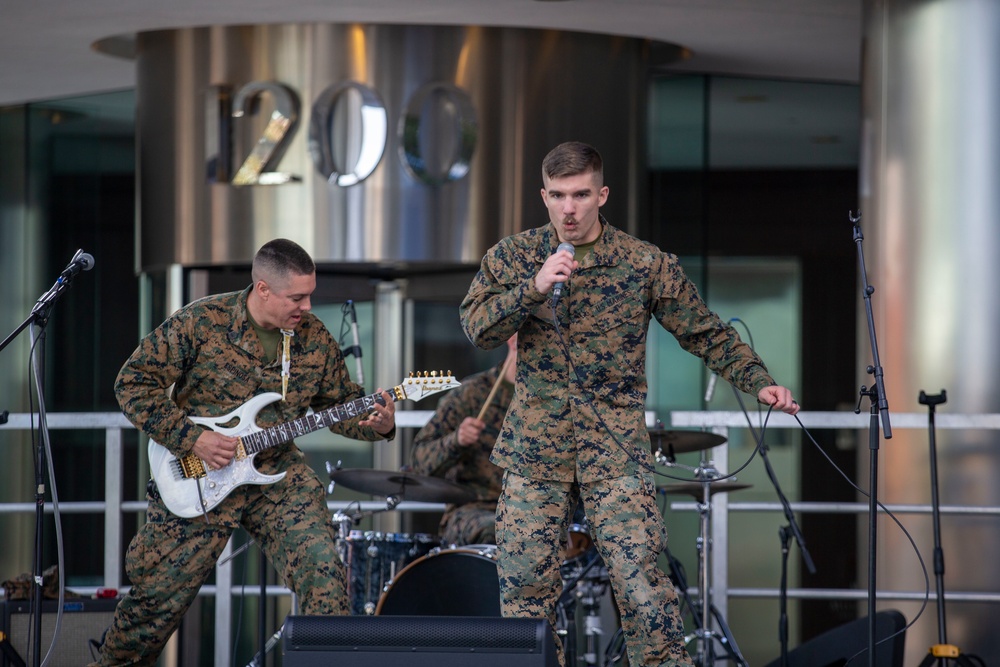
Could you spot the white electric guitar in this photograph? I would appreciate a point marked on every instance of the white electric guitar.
(189, 488)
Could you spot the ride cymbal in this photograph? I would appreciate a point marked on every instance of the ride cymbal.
(696, 489)
(679, 442)
(405, 485)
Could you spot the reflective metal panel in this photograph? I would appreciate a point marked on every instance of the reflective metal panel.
(371, 143)
(931, 218)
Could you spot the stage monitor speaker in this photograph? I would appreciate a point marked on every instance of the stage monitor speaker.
(417, 641)
(83, 619)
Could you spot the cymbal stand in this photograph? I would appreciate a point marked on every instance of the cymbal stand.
(705, 655)
(702, 609)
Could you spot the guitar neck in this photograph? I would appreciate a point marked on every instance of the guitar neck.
(276, 435)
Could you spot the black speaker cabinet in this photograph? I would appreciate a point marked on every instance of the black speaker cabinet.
(417, 641)
(82, 620)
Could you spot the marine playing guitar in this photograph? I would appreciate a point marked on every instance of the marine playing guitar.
(189, 488)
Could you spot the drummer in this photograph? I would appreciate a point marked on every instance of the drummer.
(456, 445)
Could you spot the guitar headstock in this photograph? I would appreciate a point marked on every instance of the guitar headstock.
(419, 385)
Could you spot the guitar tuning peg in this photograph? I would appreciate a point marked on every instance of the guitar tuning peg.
(411, 373)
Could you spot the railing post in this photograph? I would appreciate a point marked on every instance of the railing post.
(113, 464)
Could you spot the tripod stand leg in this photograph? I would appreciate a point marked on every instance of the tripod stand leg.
(728, 641)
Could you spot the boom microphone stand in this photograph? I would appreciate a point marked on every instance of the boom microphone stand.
(792, 529)
(39, 317)
(879, 406)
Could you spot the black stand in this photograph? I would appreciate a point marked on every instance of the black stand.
(784, 534)
(879, 406)
(8, 651)
(942, 652)
(262, 610)
(792, 529)
(39, 317)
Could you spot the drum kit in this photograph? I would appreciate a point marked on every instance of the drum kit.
(412, 573)
(415, 574)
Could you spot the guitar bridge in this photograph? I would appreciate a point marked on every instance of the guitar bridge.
(192, 466)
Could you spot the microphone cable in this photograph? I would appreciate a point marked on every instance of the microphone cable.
(627, 451)
(758, 440)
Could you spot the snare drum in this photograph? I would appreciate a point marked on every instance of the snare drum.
(374, 559)
(462, 581)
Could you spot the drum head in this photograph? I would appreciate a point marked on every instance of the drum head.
(450, 582)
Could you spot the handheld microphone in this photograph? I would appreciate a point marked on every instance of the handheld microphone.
(710, 391)
(356, 350)
(558, 287)
(81, 262)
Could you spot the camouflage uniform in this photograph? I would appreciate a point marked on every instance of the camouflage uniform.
(579, 430)
(213, 358)
(436, 452)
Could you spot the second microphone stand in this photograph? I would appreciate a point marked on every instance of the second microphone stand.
(879, 407)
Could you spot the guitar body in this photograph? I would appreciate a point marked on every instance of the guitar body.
(184, 496)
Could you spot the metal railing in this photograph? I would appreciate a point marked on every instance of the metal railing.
(722, 421)
(113, 507)
(114, 424)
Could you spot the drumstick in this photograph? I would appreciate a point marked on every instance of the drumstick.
(493, 391)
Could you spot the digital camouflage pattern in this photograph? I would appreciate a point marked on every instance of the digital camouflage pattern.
(436, 452)
(629, 535)
(555, 440)
(211, 355)
(551, 430)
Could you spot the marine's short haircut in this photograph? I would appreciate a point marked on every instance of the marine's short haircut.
(280, 257)
(572, 158)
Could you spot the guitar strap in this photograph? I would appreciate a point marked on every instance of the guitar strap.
(286, 360)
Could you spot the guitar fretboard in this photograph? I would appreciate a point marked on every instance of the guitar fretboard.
(276, 435)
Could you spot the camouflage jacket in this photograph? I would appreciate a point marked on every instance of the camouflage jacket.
(552, 430)
(436, 450)
(209, 352)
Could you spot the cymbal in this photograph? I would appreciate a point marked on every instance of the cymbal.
(695, 488)
(407, 486)
(680, 442)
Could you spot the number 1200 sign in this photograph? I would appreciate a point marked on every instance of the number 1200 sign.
(363, 129)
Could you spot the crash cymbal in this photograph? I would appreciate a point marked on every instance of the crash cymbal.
(405, 485)
(695, 488)
(680, 442)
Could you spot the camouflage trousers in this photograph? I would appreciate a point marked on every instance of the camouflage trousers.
(170, 558)
(627, 529)
(471, 523)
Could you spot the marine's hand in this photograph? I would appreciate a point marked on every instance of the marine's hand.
(469, 431)
(383, 418)
(779, 398)
(557, 268)
(215, 449)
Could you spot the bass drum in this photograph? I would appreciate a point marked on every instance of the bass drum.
(373, 559)
(446, 582)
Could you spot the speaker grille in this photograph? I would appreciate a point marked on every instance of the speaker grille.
(414, 633)
(82, 621)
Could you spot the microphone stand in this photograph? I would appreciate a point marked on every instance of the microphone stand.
(792, 529)
(40, 316)
(879, 407)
